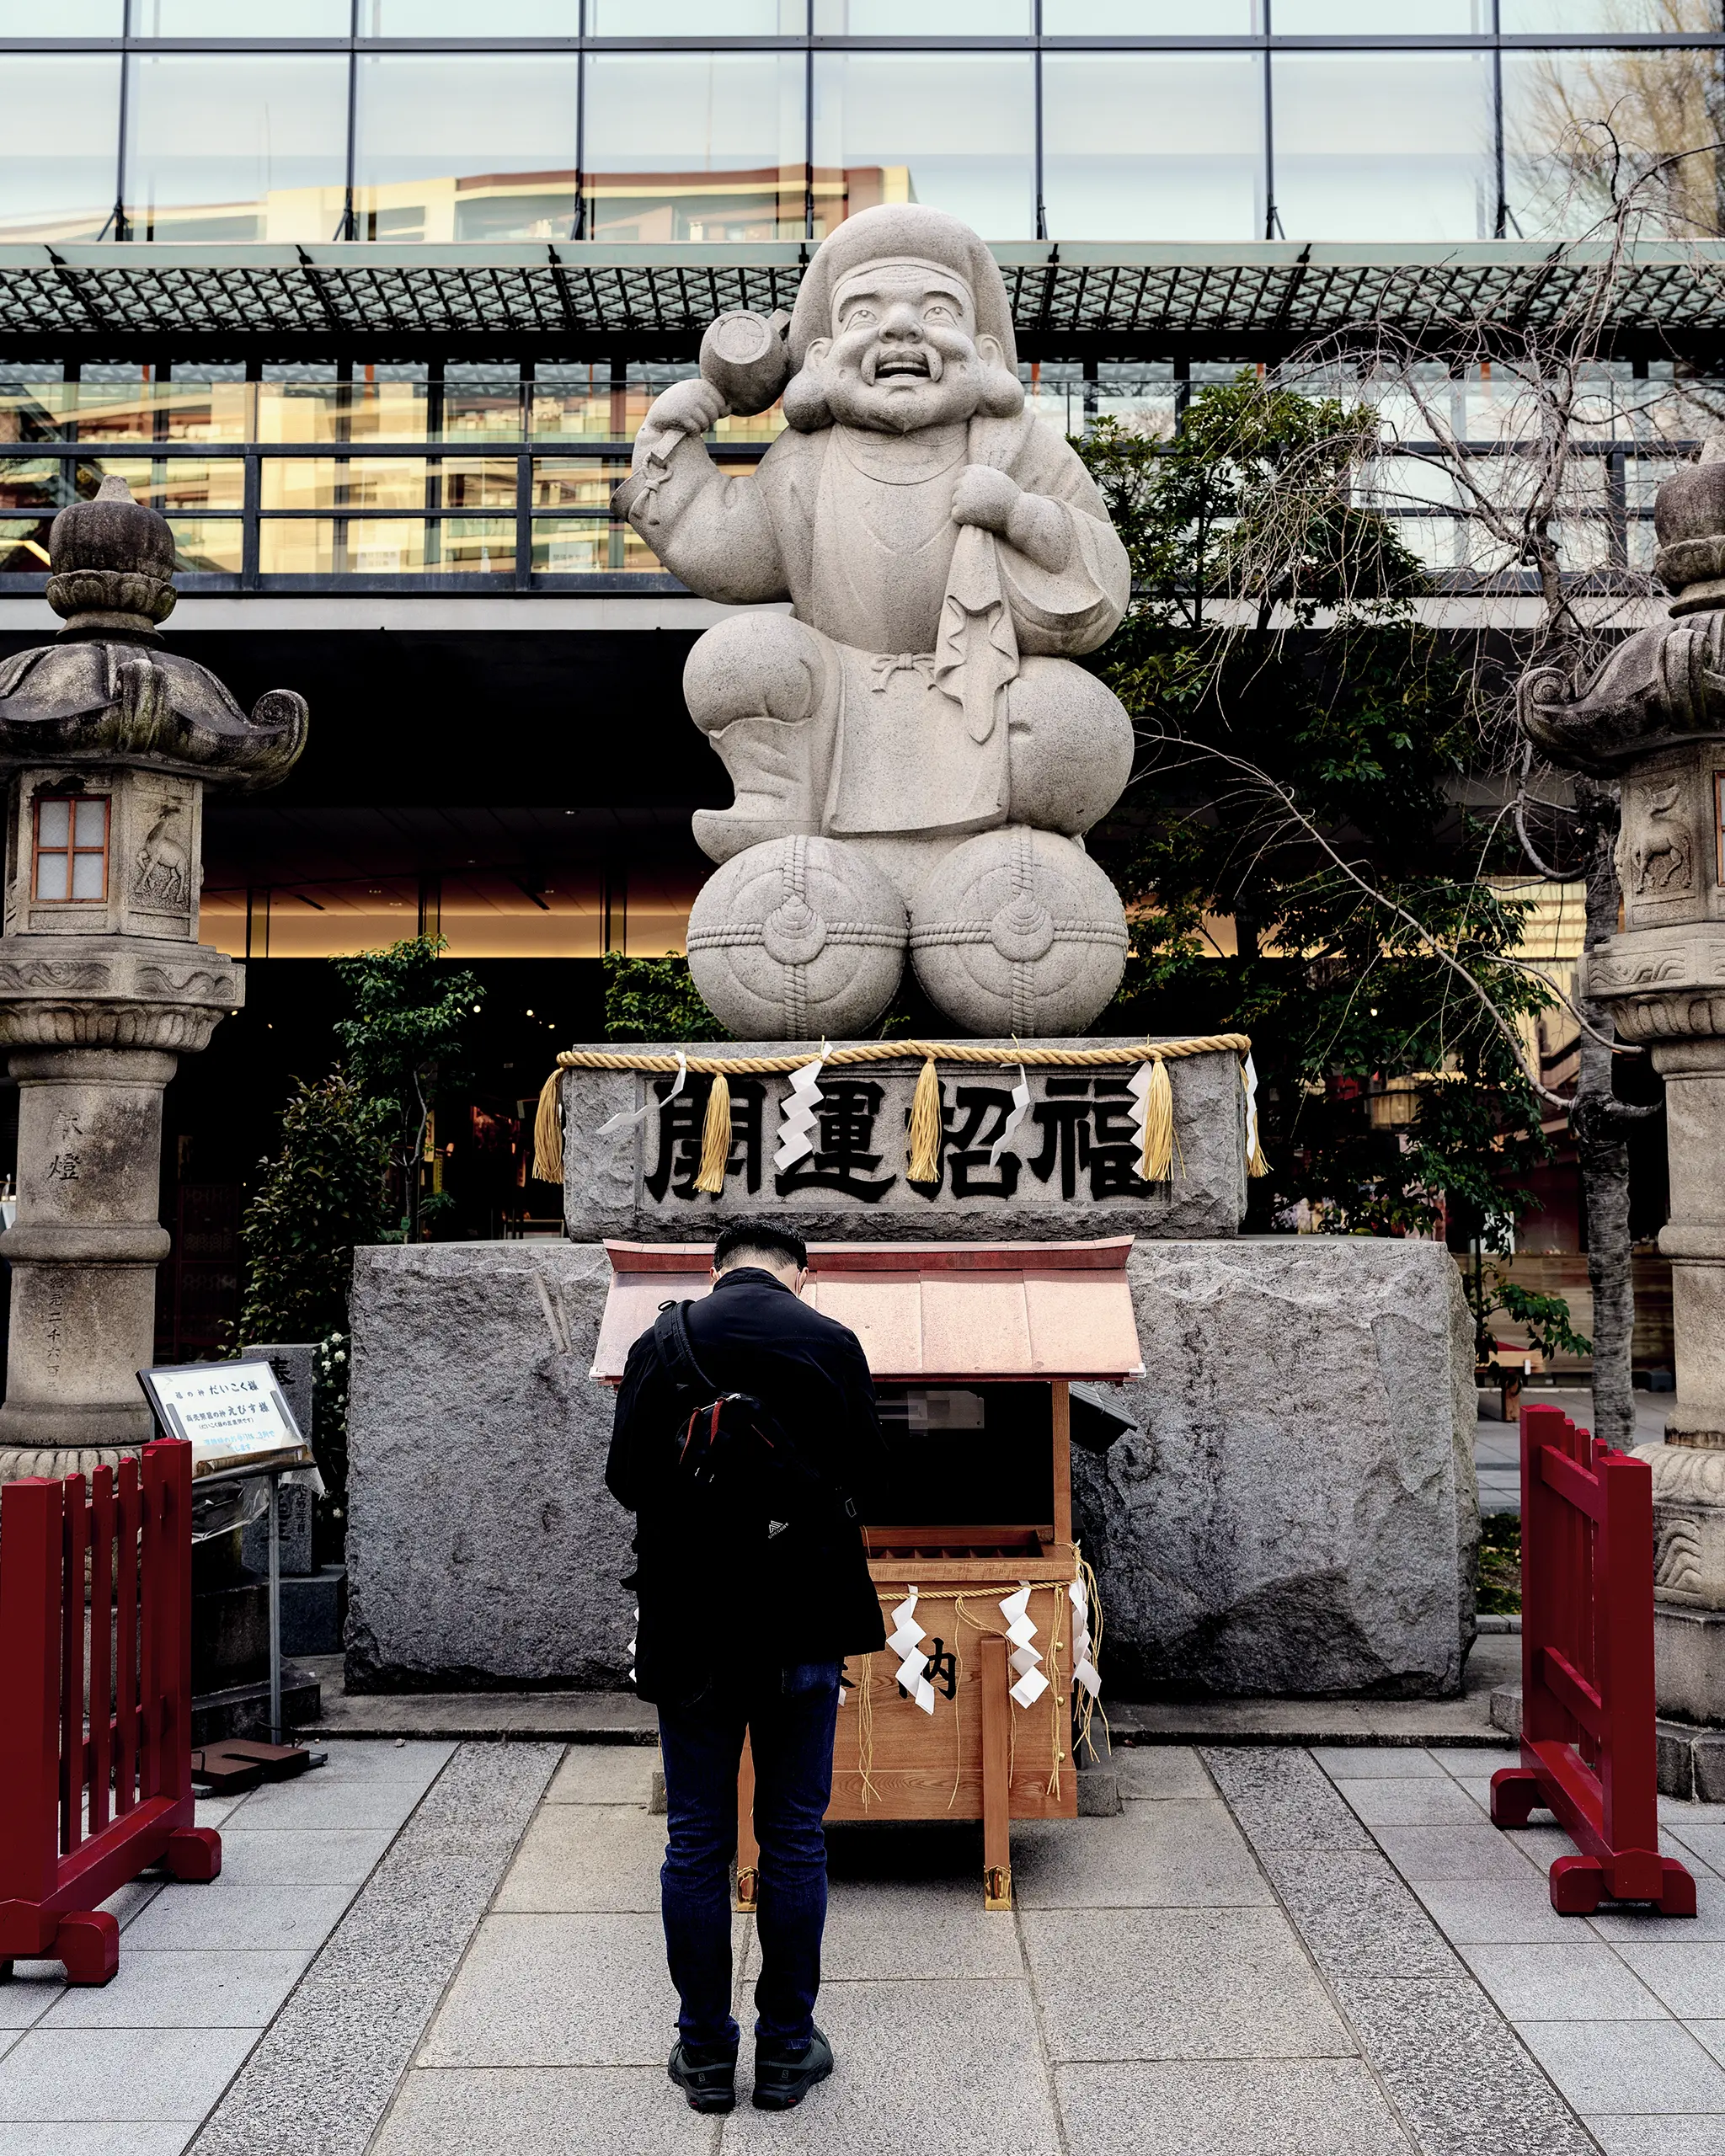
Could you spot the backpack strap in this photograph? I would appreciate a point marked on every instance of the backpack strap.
(676, 1351)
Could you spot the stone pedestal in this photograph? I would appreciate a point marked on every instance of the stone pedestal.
(1294, 1512)
(1068, 1169)
(1688, 1662)
(84, 1253)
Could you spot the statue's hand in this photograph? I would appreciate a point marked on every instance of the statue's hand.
(985, 496)
(686, 408)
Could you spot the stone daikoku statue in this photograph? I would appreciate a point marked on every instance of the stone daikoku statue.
(915, 756)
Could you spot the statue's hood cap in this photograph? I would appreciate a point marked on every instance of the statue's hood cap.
(901, 231)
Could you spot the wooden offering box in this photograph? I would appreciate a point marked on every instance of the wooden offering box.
(973, 1347)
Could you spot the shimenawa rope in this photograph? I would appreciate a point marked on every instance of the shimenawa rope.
(922, 1161)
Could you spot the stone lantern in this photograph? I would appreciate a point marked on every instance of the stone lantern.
(107, 741)
(1654, 717)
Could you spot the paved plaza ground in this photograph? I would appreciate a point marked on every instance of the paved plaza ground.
(441, 1947)
(434, 1949)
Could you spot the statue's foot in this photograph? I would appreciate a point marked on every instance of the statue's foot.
(1019, 931)
(798, 939)
(722, 834)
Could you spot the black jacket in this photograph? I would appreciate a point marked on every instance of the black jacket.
(700, 1600)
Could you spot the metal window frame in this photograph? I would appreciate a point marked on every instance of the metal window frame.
(527, 518)
(1267, 42)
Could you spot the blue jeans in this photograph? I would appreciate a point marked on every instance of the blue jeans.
(790, 1731)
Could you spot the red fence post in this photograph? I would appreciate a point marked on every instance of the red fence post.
(31, 1514)
(1588, 1748)
(192, 1852)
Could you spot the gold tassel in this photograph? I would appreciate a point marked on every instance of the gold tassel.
(716, 1136)
(1157, 1162)
(547, 1131)
(923, 1165)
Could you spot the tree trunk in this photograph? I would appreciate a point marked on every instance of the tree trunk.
(1599, 1144)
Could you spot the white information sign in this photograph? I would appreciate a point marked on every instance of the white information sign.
(232, 1413)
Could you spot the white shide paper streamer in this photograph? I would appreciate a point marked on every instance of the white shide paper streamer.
(1016, 1115)
(626, 1120)
(905, 1642)
(801, 1105)
(1138, 1085)
(1021, 1630)
(1083, 1668)
(1251, 1106)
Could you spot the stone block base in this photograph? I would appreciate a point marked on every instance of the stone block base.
(1688, 1662)
(1691, 1759)
(243, 1709)
(230, 1635)
(1294, 1513)
(313, 1609)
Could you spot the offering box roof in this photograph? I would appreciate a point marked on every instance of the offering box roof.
(922, 1310)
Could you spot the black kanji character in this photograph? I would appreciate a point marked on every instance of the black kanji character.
(974, 1121)
(942, 1670)
(1091, 1134)
(682, 1122)
(843, 1157)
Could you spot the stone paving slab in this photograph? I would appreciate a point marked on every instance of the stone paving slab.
(1194, 2108)
(1459, 2077)
(604, 1773)
(959, 2072)
(281, 1917)
(587, 1856)
(129, 2137)
(544, 2111)
(587, 1990)
(1178, 1983)
(1386, 1802)
(1178, 1854)
(1607, 2066)
(1356, 1916)
(1577, 1979)
(1686, 1975)
(212, 1988)
(87, 2075)
(1659, 2137)
(303, 1856)
(1156, 1771)
(929, 1929)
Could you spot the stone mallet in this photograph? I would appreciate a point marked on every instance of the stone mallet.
(745, 357)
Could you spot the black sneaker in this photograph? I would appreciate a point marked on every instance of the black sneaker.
(782, 2079)
(706, 2074)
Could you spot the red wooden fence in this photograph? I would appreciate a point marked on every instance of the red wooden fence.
(1587, 1742)
(95, 1703)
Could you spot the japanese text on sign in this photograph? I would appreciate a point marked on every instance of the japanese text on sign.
(232, 1413)
(1079, 1142)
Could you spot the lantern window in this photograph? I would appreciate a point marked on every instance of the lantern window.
(71, 864)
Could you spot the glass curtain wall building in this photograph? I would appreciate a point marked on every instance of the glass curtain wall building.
(369, 298)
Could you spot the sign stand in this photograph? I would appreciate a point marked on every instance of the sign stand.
(273, 1476)
(240, 1429)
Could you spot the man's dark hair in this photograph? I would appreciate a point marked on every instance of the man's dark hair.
(758, 1238)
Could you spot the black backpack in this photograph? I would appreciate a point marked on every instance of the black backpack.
(730, 1456)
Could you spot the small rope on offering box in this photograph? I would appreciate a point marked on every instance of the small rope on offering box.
(1019, 1629)
(1152, 1094)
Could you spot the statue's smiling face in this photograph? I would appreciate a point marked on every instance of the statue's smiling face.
(905, 353)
